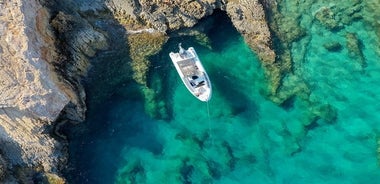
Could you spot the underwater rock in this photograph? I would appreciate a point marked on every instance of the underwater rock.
(141, 47)
(335, 17)
(284, 31)
(327, 17)
(372, 15)
(154, 106)
(291, 86)
(333, 46)
(325, 111)
(354, 46)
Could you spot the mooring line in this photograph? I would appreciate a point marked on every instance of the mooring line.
(209, 124)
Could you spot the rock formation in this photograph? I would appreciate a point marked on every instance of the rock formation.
(354, 46)
(30, 93)
(249, 19)
(163, 15)
(38, 84)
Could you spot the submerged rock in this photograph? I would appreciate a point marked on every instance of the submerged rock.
(333, 46)
(141, 46)
(327, 17)
(354, 47)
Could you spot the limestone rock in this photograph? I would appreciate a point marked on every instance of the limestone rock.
(29, 95)
(163, 15)
(249, 18)
(38, 81)
(77, 42)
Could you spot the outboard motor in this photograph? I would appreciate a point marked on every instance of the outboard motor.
(182, 51)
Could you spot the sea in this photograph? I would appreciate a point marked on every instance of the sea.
(328, 132)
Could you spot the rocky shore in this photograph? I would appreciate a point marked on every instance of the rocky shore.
(46, 47)
(40, 84)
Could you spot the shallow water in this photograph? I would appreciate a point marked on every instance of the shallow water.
(239, 136)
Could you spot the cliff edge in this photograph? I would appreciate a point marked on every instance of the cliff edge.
(34, 91)
(30, 94)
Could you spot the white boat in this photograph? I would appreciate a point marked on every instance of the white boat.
(192, 73)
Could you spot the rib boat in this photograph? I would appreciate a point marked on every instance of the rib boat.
(192, 73)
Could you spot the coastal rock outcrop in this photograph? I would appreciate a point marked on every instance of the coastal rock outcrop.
(163, 15)
(40, 82)
(30, 94)
(249, 19)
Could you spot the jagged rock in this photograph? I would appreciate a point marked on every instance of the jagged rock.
(30, 97)
(38, 81)
(163, 15)
(249, 18)
(77, 42)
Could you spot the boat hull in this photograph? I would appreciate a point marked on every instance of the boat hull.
(192, 73)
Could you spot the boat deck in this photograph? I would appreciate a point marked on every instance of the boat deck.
(192, 72)
(188, 67)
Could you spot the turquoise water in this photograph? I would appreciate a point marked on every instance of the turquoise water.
(328, 134)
